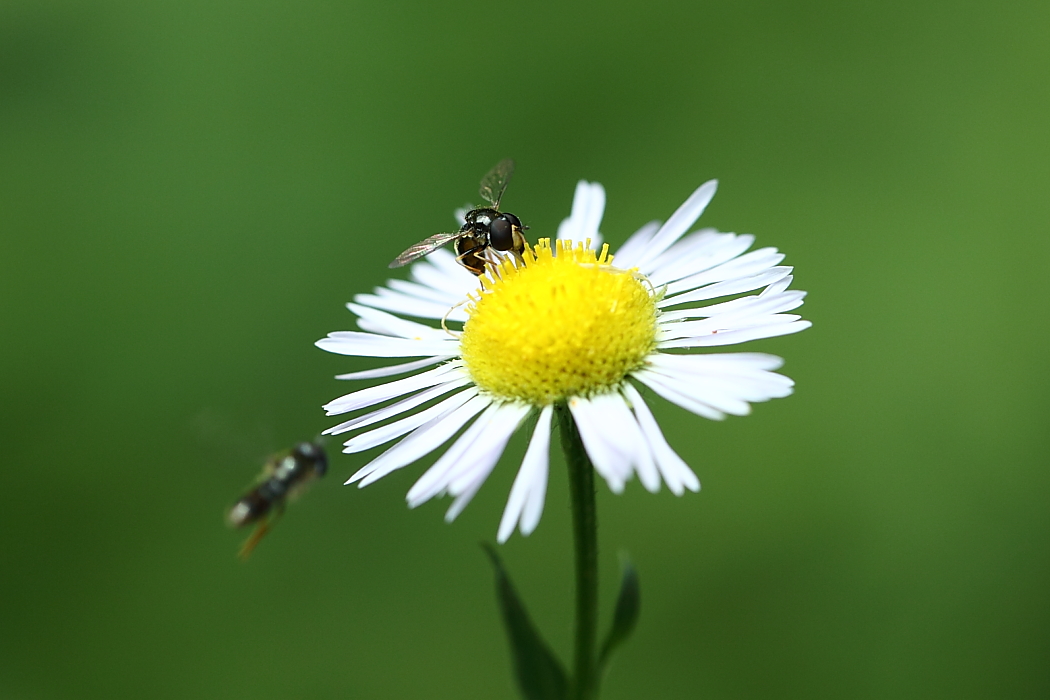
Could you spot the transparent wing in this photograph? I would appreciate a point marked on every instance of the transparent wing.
(493, 184)
(425, 246)
(267, 471)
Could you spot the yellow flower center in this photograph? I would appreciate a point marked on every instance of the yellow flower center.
(560, 325)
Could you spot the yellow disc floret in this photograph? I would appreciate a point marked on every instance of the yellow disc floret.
(560, 325)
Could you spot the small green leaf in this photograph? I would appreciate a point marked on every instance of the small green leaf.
(628, 605)
(540, 676)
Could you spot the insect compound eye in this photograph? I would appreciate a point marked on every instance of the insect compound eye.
(501, 233)
(515, 221)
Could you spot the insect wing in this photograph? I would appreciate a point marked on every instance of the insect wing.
(493, 184)
(425, 246)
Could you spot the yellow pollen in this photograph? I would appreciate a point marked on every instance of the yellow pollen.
(560, 325)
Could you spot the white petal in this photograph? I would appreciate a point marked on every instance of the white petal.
(684, 217)
(737, 285)
(374, 394)
(391, 370)
(635, 246)
(748, 388)
(779, 286)
(720, 324)
(756, 305)
(627, 430)
(712, 382)
(466, 485)
(703, 389)
(463, 499)
(396, 408)
(440, 271)
(504, 423)
(673, 394)
(410, 306)
(383, 323)
(695, 253)
(746, 265)
(392, 431)
(449, 296)
(472, 456)
(593, 417)
(434, 480)
(727, 362)
(588, 206)
(418, 290)
(770, 330)
(420, 442)
(525, 504)
(726, 382)
(675, 471)
(372, 345)
(746, 312)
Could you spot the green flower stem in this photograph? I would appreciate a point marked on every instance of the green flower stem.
(585, 535)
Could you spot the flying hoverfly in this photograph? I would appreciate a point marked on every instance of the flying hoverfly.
(285, 474)
(486, 232)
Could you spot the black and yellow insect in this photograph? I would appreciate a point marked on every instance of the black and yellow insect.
(485, 233)
(285, 475)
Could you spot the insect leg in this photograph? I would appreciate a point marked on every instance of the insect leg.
(470, 260)
(260, 531)
(253, 540)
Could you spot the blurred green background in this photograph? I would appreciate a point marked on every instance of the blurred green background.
(189, 192)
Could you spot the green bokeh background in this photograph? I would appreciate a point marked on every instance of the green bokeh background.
(189, 192)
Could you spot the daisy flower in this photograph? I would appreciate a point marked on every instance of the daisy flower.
(568, 325)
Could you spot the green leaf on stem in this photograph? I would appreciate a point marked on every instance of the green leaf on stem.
(540, 676)
(628, 605)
